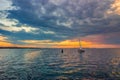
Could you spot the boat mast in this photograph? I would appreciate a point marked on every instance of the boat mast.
(80, 44)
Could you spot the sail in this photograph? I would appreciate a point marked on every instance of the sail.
(80, 44)
(80, 50)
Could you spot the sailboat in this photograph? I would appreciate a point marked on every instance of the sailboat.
(80, 50)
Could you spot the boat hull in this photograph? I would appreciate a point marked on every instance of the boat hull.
(81, 50)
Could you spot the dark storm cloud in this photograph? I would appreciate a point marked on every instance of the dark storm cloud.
(68, 18)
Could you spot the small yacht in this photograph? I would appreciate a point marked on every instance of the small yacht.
(80, 50)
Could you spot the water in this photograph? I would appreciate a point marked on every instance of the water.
(51, 64)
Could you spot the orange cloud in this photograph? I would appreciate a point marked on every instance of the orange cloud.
(8, 44)
(85, 44)
(62, 44)
(5, 44)
(115, 8)
(3, 38)
(96, 42)
(72, 44)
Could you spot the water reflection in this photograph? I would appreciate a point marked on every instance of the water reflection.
(70, 58)
(51, 64)
(31, 55)
(115, 61)
(81, 57)
(115, 67)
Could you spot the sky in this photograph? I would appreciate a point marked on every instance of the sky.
(60, 23)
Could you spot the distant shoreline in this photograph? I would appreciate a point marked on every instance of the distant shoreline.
(49, 48)
(19, 48)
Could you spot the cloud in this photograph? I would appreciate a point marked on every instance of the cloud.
(57, 2)
(3, 38)
(37, 41)
(40, 43)
(109, 38)
(6, 5)
(4, 41)
(5, 44)
(18, 29)
(69, 44)
(9, 22)
(115, 8)
(60, 20)
(11, 25)
(66, 24)
(69, 13)
(48, 32)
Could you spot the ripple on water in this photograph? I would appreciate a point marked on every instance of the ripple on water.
(50, 64)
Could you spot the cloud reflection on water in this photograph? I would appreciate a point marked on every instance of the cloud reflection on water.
(31, 55)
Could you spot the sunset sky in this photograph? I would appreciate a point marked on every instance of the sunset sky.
(60, 23)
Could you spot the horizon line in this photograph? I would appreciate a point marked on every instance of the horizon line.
(54, 47)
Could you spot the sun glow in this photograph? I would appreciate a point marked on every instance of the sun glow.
(5, 44)
(85, 44)
(72, 44)
(55, 44)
